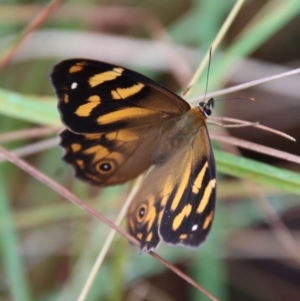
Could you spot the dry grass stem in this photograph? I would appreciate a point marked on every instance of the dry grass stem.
(33, 148)
(28, 133)
(244, 86)
(84, 206)
(257, 148)
(214, 45)
(40, 18)
(239, 122)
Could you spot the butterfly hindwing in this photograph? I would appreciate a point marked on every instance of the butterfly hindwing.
(190, 208)
(176, 201)
(109, 158)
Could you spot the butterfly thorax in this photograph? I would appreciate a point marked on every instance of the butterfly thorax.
(177, 132)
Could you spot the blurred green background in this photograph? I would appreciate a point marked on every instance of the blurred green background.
(48, 245)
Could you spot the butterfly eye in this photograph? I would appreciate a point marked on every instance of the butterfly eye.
(207, 112)
(206, 107)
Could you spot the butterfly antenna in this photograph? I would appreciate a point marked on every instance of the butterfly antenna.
(206, 107)
(207, 76)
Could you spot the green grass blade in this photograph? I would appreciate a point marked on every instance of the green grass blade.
(204, 23)
(268, 21)
(274, 16)
(258, 172)
(37, 109)
(15, 276)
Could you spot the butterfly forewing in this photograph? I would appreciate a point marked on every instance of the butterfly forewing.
(99, 97)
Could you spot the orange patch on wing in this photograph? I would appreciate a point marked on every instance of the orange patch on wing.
(183, 236)
(123, 93)
(124, 114)
(98, 151)
(149, 236)
(206, 195)
(168, 187)
(85, 109)
(122, 135)
(151, 213)
(100, 78)
(198, 182)
(76, 68)
(208, 220)
(185, 212)
(80, 163)
(182, 186)
(76, 147)
(92, 136)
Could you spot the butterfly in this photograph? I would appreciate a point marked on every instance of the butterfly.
(119, 123)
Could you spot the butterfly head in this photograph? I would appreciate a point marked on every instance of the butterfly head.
(206, 107)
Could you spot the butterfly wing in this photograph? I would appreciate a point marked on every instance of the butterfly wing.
(176, 201)
(96, 97)
(109, 158)
(113, 117)
(189, 210)
(119, 123)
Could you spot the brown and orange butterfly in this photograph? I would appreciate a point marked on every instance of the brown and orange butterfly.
(118, 124)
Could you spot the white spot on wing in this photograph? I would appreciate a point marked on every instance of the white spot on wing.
(74, 86)
(195, 227)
